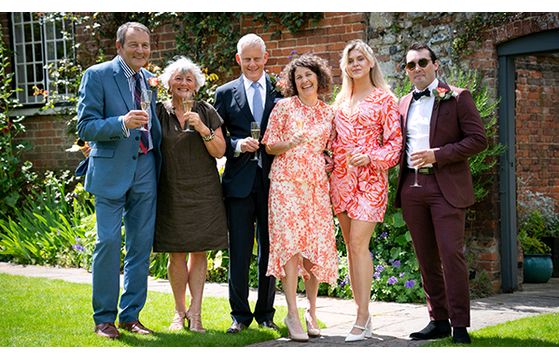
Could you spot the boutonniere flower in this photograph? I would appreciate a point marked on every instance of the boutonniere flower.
(441, 94)
(278, 82)
(153, 82)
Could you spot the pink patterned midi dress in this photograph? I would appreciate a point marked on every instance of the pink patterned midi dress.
(373, 128)
(300, 214)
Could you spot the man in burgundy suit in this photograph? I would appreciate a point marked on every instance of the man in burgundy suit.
(443, 128)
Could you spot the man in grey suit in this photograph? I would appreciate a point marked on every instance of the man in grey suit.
(250, 98)
(124, 163)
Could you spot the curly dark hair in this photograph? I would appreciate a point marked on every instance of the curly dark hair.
(317, 65)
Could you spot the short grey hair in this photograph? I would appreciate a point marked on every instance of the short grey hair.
(123, 29)
(250, 40)
(182, 65)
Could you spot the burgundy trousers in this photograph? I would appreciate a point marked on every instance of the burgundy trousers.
(437, 230)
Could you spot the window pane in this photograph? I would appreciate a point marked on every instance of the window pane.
(39, 72)
(27, 32)
(50, 50)
(19, 54)
(36, 32)
(60, 50)
(17, 17)
(26, 16)
(18, 34)
(28, 53)
(38, 52)
(50, 30)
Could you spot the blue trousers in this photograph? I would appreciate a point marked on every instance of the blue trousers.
(137, 206)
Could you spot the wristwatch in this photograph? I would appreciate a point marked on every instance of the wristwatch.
(209, 137)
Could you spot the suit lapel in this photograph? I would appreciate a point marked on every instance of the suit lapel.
(122, 84)
(406, 101)
(241, 98)
(270, 98)
(435, 115)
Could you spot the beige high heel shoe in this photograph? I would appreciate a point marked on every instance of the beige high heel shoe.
(301, 337)
(178, 321)
(311, 330)
(195, 323)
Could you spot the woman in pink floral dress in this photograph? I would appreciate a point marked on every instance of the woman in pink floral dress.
(367, 143)
(302, 239)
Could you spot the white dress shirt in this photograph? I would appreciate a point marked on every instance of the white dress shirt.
(418, 123)
(250, 92)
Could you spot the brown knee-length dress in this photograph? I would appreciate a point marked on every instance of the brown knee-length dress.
(190, 208)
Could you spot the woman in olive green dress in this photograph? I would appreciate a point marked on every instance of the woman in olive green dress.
(190, 210)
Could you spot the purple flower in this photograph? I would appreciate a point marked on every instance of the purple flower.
(345, 281)
(383, 235)
(376, 275)
(392, 280)
(379, 268)
(409, 284)
(395, 263)
(78, 247)
(402, 274)
(371, 254)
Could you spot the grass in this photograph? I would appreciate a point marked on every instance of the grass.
(41, 312)
(533, 331)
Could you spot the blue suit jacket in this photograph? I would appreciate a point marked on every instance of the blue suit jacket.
(231, 104)
(104, 98)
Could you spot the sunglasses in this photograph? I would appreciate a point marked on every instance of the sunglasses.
(422, 63)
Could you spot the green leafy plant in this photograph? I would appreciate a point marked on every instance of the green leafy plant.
(16, 175)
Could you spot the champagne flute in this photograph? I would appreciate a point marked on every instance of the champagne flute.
(255, 134)
(145, 103)
(415, 183)
(187, 104)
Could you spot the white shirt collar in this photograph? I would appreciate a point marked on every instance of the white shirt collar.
(261, 81)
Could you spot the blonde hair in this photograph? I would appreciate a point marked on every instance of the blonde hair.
(375, 75)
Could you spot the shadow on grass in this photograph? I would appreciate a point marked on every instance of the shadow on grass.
(493, 341)
(211, 338)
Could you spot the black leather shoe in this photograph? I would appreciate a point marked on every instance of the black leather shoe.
(460, 336)
(436, 329)
(236, 327)
(269, 324)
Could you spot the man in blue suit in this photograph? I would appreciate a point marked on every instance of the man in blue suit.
(250, 98)
(124, 163)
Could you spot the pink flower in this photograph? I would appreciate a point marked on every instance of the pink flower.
(153, 82)
(441, 94)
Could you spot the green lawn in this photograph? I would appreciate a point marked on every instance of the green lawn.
(40, 312)
(540, 330)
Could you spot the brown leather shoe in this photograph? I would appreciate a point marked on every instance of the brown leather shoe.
(135, 327)
(107, 330)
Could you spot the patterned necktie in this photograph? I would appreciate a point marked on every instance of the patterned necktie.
(144, 137)
(257, 108)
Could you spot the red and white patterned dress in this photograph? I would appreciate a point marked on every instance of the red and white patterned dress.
(372, 129)
(300, 215)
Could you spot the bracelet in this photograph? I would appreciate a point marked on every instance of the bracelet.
(209, 137)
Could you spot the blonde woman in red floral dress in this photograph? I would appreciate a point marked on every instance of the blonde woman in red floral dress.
(302, 238)
(367, 142)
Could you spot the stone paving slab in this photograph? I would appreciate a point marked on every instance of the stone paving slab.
(392, 322)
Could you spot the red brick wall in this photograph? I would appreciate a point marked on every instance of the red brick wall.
(537, 125)
(326, 39)
(48, 138)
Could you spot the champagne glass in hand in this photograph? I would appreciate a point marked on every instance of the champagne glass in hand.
(415, 183)
(255, 134)
(187, 104)
(145, 103)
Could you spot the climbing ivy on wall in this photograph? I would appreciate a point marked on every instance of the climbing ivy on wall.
(471, 29)
(211, 38)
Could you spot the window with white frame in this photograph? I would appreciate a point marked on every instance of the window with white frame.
(39, 41)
